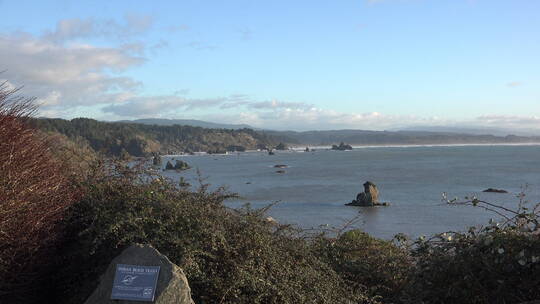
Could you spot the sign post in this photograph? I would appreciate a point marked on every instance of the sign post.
(135, 283)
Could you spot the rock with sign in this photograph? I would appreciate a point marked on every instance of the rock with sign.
(129, 279)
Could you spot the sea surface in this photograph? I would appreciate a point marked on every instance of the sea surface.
(316, 185)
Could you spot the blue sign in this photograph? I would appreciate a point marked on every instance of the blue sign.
(135, 283)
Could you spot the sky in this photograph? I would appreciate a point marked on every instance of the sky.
(280, 64)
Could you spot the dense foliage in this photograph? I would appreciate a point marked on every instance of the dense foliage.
(367, 264)
(498, 263)
(118, 139)
(229, 256)
(34, 193)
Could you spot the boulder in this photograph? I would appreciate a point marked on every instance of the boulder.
(368, 198)
(172, 285)
(181, 165)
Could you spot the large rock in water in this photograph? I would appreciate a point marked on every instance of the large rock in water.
(368, 198)
(172, 285)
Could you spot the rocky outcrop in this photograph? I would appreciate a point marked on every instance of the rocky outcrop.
(281, 146)
(368, 198)
(178, 166)
(342, 147)
(172, 285)
(493, 190)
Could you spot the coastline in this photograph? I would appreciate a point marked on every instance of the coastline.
(421, 145)
(301, 148)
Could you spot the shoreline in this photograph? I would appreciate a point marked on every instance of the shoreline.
(421, 145)
(329, 147)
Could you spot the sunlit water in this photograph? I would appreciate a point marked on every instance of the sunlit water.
(317, 184)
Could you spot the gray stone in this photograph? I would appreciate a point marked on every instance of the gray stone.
(172, 286)
(368, 198)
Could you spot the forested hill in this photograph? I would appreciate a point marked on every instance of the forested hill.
(117, 139)
(364, 137)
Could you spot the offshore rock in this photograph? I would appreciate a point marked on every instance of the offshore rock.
(342, 147)
(492, 190)
(172, 285)
(368, 198)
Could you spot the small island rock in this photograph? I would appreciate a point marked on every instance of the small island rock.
(368, 198)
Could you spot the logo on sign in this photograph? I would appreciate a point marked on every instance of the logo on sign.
(128, 279)
(147, 291)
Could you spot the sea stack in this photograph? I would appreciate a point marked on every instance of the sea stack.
(368, 198)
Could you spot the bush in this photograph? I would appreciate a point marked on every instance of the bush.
(499, 263)
(367, 263)
(34, 193)
(229, 256)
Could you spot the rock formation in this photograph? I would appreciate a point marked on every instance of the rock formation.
(172, 285)
(492, 190)
(179, 165)
(342, 147)
(368, 198)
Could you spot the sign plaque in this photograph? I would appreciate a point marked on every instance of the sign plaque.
(135, 283)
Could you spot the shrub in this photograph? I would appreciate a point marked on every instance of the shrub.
(34, 193)
(229, 256)
(499, 263)
(367, 263)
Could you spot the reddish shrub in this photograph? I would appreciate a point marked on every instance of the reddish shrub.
(34, 193)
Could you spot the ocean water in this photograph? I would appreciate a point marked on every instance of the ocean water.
(316, 185)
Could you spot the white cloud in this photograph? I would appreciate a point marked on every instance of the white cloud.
(69, 29)
(310, 118)
(274, 104)
(67, 75)
(509, 121)
(148, 106)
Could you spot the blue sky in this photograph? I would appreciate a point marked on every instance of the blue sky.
(300, 65)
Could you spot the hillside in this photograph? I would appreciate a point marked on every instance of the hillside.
(117, 139)
(142, 138)
(187, 122)
(362, 137)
